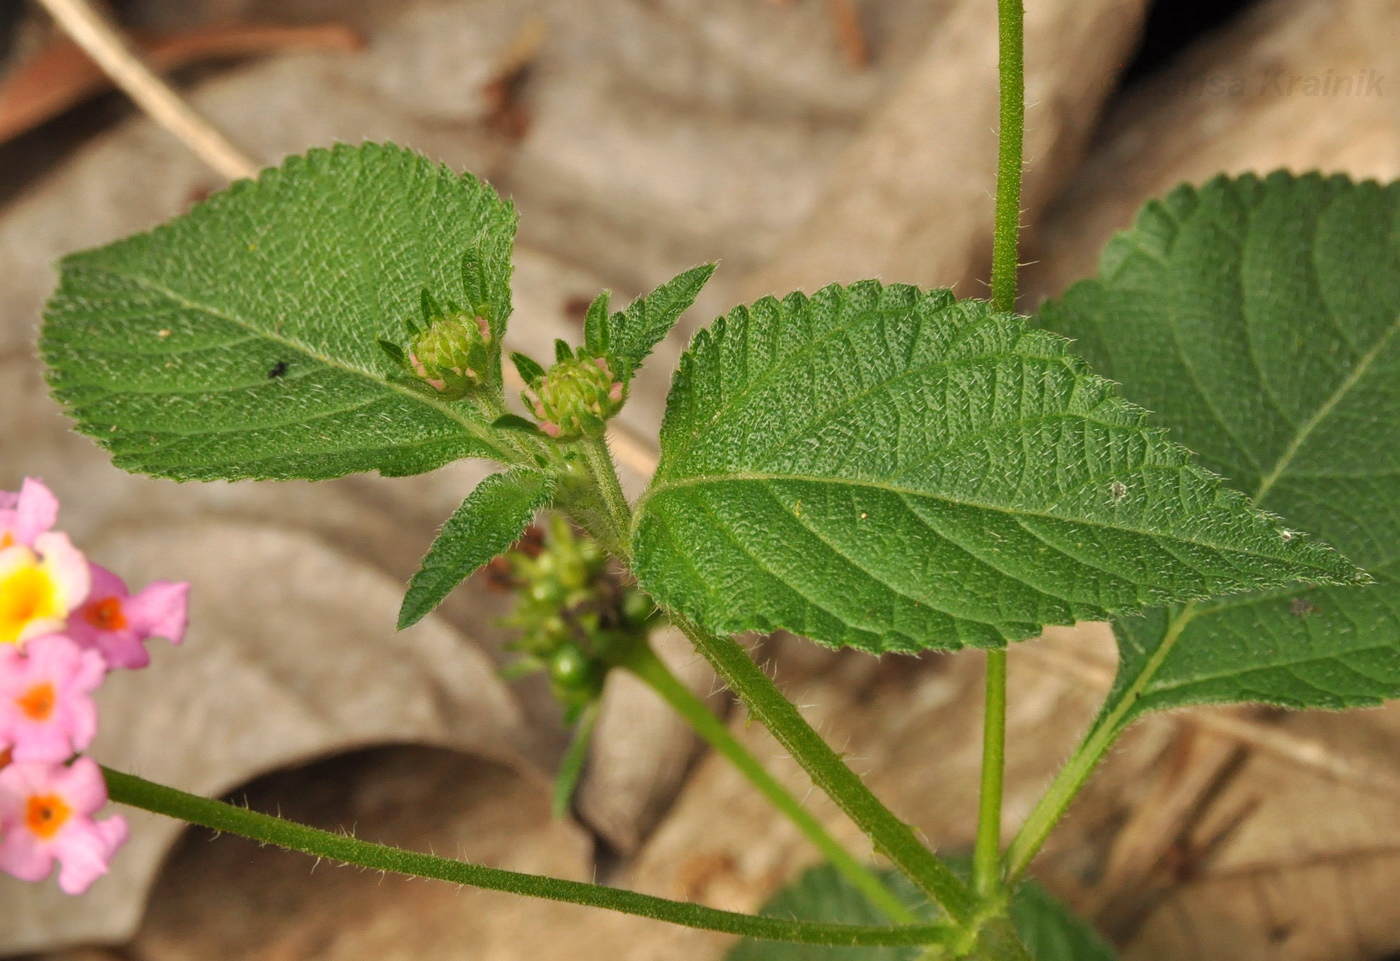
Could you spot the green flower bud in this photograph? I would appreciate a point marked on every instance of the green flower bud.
(454, 354)
(576, 397)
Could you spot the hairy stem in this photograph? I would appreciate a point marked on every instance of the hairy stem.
(892, 837)
(617, 515)
(648, 667)
(986, 857)
(1086, 756)
(986, 854)
(137, 792)
(1010, 149)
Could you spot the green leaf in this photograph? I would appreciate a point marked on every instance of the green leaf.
(488, 522)
(1051, 932)
(160, 345)
(1258, 319)
(515, 422)
(897, 470)
(632, 333)
(529, 371)
(595, 325)
(1048, 929)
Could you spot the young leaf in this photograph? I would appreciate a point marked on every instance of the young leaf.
(595, 325)
(490, 520)
(896, 470)
(529, 370)
(1048, 930)
(515, 422)
(632, 333)
(1259, 319)
(159, 345)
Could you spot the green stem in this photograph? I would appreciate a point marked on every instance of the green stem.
(616, 514)
(986, 855)
(648, 667)
(1086, 756)
(892, 837)
(986, 881)
(218, 816)
(571, 767)
(1006, 237)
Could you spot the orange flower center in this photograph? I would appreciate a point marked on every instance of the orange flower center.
(6, 540)
(37, 703)
(46, 814)
(6, 756)
(105, 615)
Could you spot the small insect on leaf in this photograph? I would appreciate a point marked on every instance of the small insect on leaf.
(278, 369)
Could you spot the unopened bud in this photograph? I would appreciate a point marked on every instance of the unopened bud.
(576, 397)
(454, 354)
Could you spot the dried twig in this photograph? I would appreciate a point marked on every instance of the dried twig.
(120, 60)
(63, 75)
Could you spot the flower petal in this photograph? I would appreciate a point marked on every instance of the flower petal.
(161, 610)
(85, 849)
(82, 786)
(36, 511)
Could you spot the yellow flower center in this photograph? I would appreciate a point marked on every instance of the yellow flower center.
(27, 593)
(45, 814)
(38, 702)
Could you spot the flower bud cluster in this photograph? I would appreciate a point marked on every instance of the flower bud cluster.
(576, 615)
(453, 353)
(65, 623)
(575, 397)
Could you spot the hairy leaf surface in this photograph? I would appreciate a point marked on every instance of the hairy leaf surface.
(1258, 319)
(897, 470)
(240, 339)
(490, 520)
(1049, 931)
(631, 334)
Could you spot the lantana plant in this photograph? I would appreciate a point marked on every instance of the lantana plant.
(64, 624)
(871, 466)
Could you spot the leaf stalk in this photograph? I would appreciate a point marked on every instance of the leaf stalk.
(986, 854)
(891, 836)
(1081, 764)
(219, 816)
(647, 667)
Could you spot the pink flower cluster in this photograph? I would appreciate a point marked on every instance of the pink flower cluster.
(64, 624)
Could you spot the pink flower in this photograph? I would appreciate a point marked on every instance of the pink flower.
(117, 624)
(46, 711)
(26, 514)
(40, 585)
(46, 815)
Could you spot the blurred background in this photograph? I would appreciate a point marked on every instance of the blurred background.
(797, 142)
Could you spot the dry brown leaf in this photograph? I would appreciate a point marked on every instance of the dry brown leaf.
(224, 898)
(63, 76)
(911, 200)
(1235, 103)
(641, 748)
